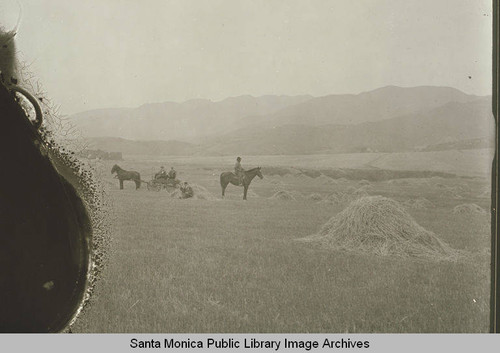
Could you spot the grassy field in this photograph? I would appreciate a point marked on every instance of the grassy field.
(231, 266)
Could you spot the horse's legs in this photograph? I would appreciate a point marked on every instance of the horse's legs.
(223, 189)
(121, 184)
(245, 192)
(137, 184)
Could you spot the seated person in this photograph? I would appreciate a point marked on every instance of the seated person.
(162, 173)
(172, 174)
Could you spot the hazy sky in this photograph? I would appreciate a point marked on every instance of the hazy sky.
(123, 53)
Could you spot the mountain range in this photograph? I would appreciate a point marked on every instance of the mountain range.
(389, 119)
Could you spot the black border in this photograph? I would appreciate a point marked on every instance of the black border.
(495, 246)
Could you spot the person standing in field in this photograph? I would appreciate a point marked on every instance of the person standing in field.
(238, 170)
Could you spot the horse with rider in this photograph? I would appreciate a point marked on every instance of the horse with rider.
(240, 177)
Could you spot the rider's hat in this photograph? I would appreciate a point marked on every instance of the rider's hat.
(238, 159)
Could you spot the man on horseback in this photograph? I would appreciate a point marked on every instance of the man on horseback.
(239, 171)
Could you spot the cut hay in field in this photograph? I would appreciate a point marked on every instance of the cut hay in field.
(303, 177)
(350, 190)
(363, 182)
(485, 194)
(250, 193)
(419, 204)
(450, 194)
(380, 225)
(323, 179)
(398, 182)
(468, 208)
(283, 195)
(199, 193)
(315, 197)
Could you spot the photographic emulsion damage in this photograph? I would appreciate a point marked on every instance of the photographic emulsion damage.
(246, 167)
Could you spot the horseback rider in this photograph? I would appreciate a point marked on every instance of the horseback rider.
(172, 173)
(162, 173)
(238, 170)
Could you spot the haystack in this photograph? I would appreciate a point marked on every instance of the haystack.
(323, 179)
(468, 208)
(363, 182)
(380, 225)
(199, 193)
(283, 195)
(315, 197)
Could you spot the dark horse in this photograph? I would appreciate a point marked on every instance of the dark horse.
(122, 175)
(230, 177)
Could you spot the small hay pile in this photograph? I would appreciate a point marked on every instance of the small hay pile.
(323, 179)
(199, 193)
(283, 195)
(315, 197)
(380, 225)
(419, 204)
(363, 182)
(450, 193)
(468, 208)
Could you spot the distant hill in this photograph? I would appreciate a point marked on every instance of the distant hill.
(389, 119)
(178, 121)
(449, 123)
(380, 104)
(451, 126)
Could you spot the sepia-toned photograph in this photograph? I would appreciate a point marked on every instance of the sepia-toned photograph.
(238, 166)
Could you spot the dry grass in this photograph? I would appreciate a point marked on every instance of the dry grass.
(380, 225)
(315, 197)
(468, 208)
(420, 204)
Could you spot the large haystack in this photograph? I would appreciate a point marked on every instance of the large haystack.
(468, 208)
(283, 195)
(380, 225)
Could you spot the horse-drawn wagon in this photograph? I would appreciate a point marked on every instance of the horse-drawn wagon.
(157, 184)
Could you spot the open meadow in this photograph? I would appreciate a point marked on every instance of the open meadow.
(208, 264)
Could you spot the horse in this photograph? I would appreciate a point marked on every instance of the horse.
(230, 177)
(122, 175)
